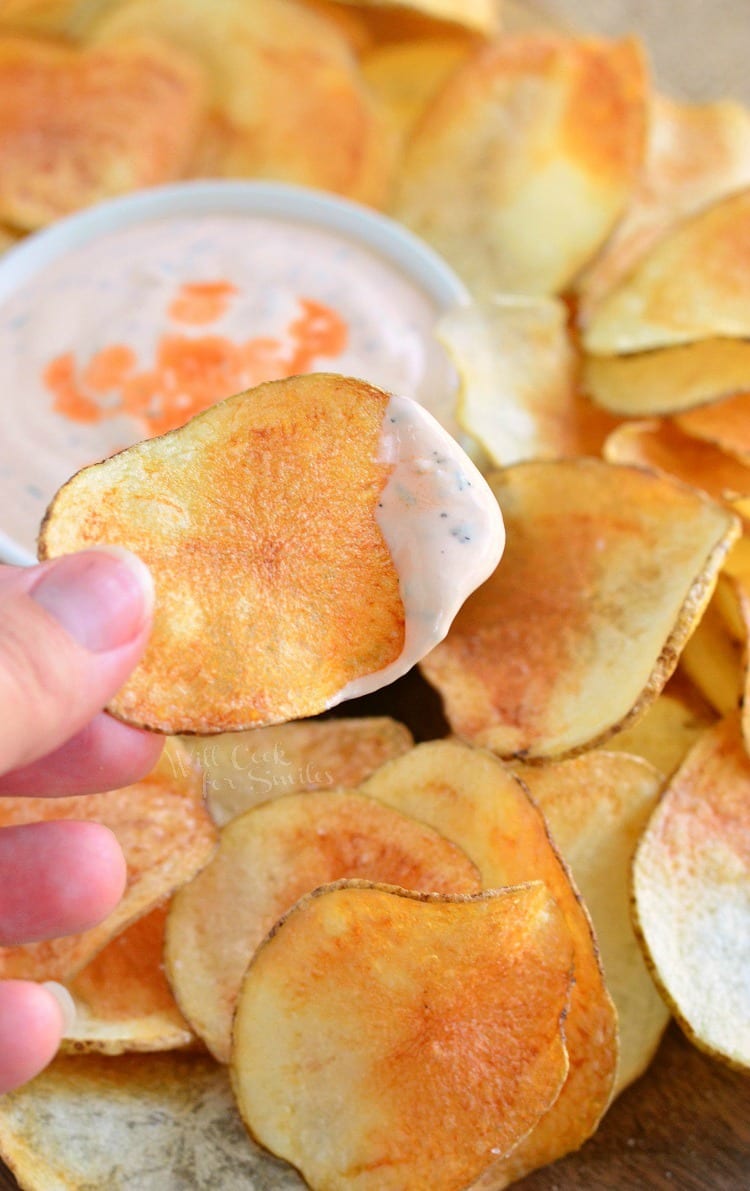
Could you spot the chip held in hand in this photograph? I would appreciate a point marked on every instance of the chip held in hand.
(310, 540)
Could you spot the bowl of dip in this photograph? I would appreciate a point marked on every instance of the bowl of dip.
(123, 321)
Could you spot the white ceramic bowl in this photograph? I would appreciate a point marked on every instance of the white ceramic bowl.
(40, 448)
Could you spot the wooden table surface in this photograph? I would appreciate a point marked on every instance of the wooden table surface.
(684, 1125)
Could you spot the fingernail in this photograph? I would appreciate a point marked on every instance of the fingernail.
(65, 1002)
(101, 597)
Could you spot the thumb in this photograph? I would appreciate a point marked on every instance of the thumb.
(71, 631)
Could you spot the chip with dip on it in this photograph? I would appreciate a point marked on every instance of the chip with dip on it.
(310, 540)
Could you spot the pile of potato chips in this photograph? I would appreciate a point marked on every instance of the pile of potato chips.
(435, 964)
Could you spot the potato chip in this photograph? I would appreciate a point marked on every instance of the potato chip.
(122, 998)
(266, 860)
(696, 154)
(47, 16)
(151, 1122)
(607, 571)
(691, 883)
(274, 584)
(479, 15)
(286, 95)
(243, 769)
(670, 380)
(471, 798)
(166, 835)
(669, 728)
(664, 448)
(524, 161)
(725, 424)
(518, 376)
(386, 1039)
(83, 126)
(597, 806)
(404, 76)
(692, 285)
(712, 660)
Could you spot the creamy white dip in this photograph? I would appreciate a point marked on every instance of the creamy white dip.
(118, 297)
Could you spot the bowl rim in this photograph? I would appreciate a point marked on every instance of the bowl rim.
(384, 236)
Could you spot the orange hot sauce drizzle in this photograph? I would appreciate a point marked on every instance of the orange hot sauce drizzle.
(190, 373)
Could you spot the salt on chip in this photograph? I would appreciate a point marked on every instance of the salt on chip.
(244, 768)
(473, 799)
(266, 860)
(696, 154)
(668, 380)
(725, 424)
(606, 572)
(386, 1039)
(274, 585)
(692, 285)
(691, 888)
(523, 163)
(122, 999)
(150, 1122)
(286, 95)
(166, 835)
(517, 370)
(79, 126)
(597, 806)
(665, 448)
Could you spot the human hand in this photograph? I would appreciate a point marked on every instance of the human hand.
(71, 630)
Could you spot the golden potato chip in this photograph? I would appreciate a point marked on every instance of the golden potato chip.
(668, 729)
(147, 1122)
(725, 424)
(480, 15)
(244, 768)
(275, 587)
(122, 998)
(471, 798)
(266, 860)
(524, 161)
(607, 570)
(47, 16)
(597, 806)
(712, 660)
(664, 448)
(517, 370)
(166, 835)
(287, 98)
(404, 76)
(669, 380)
(386, 1039)
(696, 154)
(691, 883)
(692, 285)
(83, 126)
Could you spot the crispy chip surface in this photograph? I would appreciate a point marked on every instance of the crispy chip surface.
(266, 860)
(664, 447)
(597, 807)
(122, 998)
(606, 572)
(243, 769)
(274, 584)
(471, 798)
(692, 285)
(404, 76)
(151, 1122)
(80, 126)
(524, 161)
(359, 1059)
(669, 728)
(712, 660)
(691, 883)
(166, 835)
(696, 154)
(287, 99)
(668, 380)
(725, 424)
